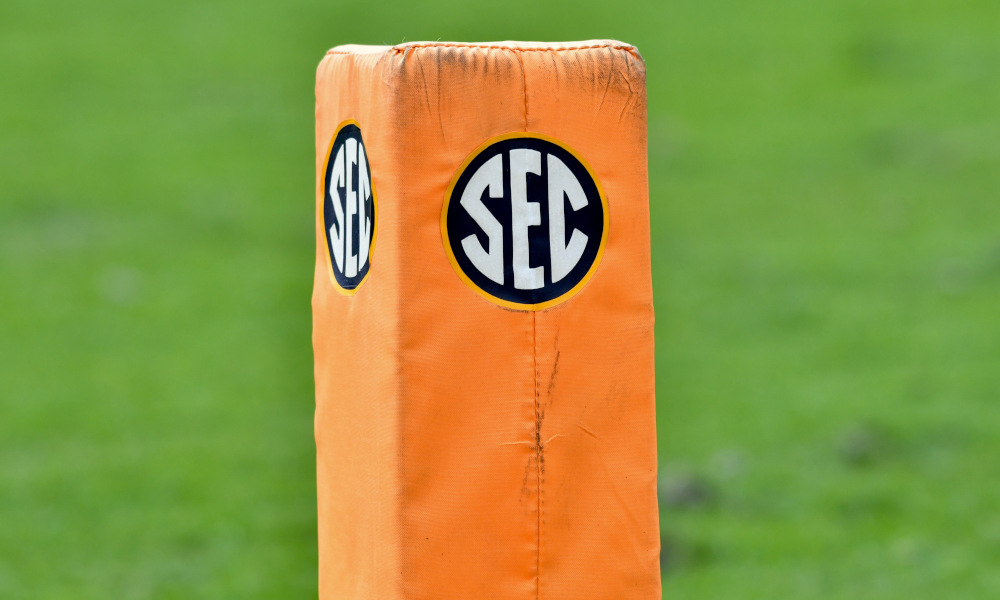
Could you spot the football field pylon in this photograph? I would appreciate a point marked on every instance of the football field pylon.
(483, 324)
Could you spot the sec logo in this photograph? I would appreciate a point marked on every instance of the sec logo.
(349, 209)
(525, 221)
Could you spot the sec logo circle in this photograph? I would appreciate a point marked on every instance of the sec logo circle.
(525, 221)
(349, 209)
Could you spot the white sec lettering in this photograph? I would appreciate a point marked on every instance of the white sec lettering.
(489, 262)
(563, 184)
(524, 214)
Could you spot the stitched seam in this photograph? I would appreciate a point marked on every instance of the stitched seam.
(534, 374)
(399, 49)
(538, 457)
(514, 48)
(538, 408)
(524, 88)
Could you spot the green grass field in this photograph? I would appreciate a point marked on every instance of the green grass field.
(826, 239)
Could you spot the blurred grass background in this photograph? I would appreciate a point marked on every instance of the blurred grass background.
(826, 238)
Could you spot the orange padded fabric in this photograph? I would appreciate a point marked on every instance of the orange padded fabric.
(469, 449)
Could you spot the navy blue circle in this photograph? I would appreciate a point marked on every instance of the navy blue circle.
(349, 131)
(589, 220)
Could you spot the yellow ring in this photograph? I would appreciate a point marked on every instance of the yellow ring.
(451, 255)
(321, 217)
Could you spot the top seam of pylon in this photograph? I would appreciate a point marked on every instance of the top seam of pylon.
(402, 48)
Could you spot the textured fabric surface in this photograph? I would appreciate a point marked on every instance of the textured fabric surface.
(469, 450)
